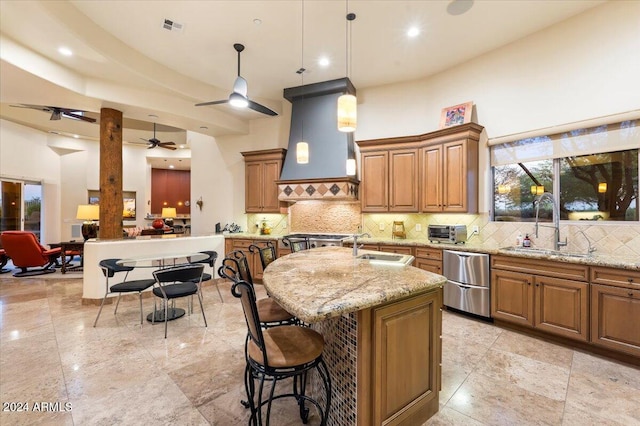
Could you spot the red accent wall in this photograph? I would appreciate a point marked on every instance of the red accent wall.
(172, 187)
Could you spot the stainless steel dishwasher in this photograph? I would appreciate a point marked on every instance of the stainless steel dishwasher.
(468, 282)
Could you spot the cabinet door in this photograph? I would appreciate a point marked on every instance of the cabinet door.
(431, 179)
(406, 359)
(254, 187)
(562, 307)
(614, 318)
(271, 173)
(375, 181)
(454, 168)
(403, 181)
(434, 266)
(512, 297)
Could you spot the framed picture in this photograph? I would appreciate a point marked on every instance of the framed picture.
(129, 201)
(457, 114)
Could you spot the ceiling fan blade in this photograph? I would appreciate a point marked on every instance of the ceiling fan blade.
(166, 143)
(261, 108)
(166, 146)
(36, 107)
(224, 101)
(70, 114)
(240, 86)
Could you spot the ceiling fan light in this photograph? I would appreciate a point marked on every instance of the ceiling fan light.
(238, 101)
(347, 113)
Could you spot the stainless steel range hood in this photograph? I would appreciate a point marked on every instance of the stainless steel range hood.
(313, 115)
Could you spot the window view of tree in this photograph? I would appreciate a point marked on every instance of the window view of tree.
(600, 186)
(517, 185)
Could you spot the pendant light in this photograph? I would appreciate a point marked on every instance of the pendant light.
(302, 148)
(347, 103)
(351, 166)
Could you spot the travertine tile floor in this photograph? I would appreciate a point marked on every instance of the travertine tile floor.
(126, 374)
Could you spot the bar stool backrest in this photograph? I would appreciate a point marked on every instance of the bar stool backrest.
(244, 291)
(267, 253)
(296, 244)
(237, 261)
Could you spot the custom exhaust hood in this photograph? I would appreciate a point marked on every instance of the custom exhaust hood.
(313, 115)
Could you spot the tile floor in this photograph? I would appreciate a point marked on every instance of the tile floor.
(126, 374)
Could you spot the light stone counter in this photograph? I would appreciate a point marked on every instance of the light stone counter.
(328, 281)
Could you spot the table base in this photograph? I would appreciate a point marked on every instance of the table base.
(173, 313)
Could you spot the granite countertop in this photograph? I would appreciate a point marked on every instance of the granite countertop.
(328, 281)
(596, 259)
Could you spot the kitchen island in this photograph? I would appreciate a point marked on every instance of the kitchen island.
(381, 323)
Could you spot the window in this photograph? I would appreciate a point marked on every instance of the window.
(593, 174)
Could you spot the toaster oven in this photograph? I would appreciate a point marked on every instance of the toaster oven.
(447, 233)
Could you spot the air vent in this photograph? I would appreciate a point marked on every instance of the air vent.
(170, 25)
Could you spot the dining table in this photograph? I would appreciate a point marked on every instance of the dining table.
(163, 261)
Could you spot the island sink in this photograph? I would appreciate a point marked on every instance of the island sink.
(384, 258)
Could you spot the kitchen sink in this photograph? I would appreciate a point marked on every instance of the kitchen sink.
(387, 258)
(547, 252)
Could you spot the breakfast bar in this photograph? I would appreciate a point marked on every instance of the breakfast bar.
(381, 322)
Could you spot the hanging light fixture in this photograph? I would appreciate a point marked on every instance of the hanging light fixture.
(302, 148)
(347, 103)
(351, 166)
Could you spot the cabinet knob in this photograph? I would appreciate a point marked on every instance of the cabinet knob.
(630, 294)
(630, 280)
(528, 283)
(537, 285)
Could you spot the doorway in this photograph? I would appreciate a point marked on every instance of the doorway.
(20, 206)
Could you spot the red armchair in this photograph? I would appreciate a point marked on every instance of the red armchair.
(25, 251)
(3, 261)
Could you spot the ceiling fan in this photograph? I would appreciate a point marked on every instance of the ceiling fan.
(57, 112)
(153, 142)
(238, 98)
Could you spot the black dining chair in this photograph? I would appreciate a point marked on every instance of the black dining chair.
(176, 282)
(236, 267)
(296, 243)
(109, 268)
(212, 256)
(280, 353)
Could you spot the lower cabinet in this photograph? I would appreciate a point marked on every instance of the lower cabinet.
(399, 366)
(551, 304)
(255, 265)
(429, 259)
(615, 310)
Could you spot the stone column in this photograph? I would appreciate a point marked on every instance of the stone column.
(111, 202)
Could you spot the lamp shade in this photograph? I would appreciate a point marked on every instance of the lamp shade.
(88, 212)
(347, 113)
(302, 153)
(602, 187)
(169, 212)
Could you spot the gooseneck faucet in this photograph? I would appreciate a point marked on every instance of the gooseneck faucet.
(355, 241)
(556, 220)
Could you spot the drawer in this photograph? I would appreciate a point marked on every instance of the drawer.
(615, 277)
(429, 253)
(565, 270)
(240, 244)
(396, 249)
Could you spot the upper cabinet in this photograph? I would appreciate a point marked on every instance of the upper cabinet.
(434, 172)
(262, 170)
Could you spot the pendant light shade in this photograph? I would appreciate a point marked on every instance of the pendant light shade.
(347, 103)
(351, 167)
(347, 113)
(302, 153)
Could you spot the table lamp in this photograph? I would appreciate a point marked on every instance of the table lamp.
(89, 213)
(168, 213)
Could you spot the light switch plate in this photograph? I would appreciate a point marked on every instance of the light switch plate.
(418, 227)
(381, 226)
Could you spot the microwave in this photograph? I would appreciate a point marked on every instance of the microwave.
(448, 233)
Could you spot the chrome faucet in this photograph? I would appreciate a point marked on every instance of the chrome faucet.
(556, 220)
(355, 241)
(591, 249)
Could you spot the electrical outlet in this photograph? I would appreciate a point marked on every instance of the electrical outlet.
(418, 227)
(284, 226)
(476, 230)
(381, 226)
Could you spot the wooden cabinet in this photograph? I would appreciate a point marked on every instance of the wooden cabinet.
(390, 181)
(262, 170)
(255, 265)
(433, 172)
(615, 309)
(449, 177)
(399, 366)
(429, 259)
(388, 248)
(541, 299)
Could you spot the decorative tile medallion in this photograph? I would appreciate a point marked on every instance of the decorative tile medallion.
(332, 189)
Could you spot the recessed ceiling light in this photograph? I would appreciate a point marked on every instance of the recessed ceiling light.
(458, 7)
(257, 21)
(76, 136)
(171, 166)
(324, 61)
(153, 116)
(413, 32)
(204, 127)
(181, 147)
(65, 51)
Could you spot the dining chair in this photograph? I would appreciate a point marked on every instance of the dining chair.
(176, 282)
(279, 353)
(236, 267)
(212, 256)
(109, 269)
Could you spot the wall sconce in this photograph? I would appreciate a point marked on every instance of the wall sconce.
(199, 203)
(537, 189)
(602, 187)
(504, 189)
